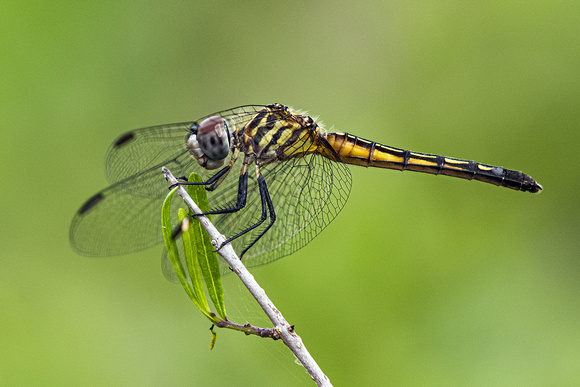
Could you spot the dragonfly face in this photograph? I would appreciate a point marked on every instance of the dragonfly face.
(209, 143)
(299, 183)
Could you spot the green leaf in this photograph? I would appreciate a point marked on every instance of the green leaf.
(170, 244)
(206, 255)
(173, 253)
(189, 241)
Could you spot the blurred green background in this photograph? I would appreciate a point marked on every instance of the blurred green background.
(421, 280)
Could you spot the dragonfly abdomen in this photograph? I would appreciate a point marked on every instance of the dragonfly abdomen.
(357, 151)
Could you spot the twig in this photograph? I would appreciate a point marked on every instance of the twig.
(248, 329)
(287, 333)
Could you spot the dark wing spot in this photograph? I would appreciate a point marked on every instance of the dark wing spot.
(123, 139)
(91, 203)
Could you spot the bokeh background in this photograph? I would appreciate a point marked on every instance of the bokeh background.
(421, 280)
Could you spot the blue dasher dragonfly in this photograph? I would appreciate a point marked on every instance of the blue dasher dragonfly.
(290, 179)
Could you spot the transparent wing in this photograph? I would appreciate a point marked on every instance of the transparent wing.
(125, 217)
(307, 193)
(167, 266)
(141, 149)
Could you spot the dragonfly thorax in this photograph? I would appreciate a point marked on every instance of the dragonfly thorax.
(209, 143)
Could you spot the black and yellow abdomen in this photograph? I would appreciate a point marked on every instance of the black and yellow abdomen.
(354, 150)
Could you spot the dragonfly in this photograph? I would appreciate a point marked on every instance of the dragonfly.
(274, 177)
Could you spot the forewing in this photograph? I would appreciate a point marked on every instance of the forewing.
(126, 216)
(307, 193)
(140, 149)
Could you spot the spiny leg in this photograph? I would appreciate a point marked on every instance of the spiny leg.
(267, 207)
(264, 195)
(213, 182)
(240, 201)
(210, 183)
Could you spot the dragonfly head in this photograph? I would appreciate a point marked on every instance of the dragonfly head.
(209, 143)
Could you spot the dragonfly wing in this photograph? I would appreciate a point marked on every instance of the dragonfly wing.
(307, 194)
(167, 266)
(126, 216)
(141, 149)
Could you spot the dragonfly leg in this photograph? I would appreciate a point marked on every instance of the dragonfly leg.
(213, 182)
(240, 201)
(267, 207)
(265, 196)
(210, 183)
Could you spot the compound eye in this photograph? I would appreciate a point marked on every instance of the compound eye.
(213, 137)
